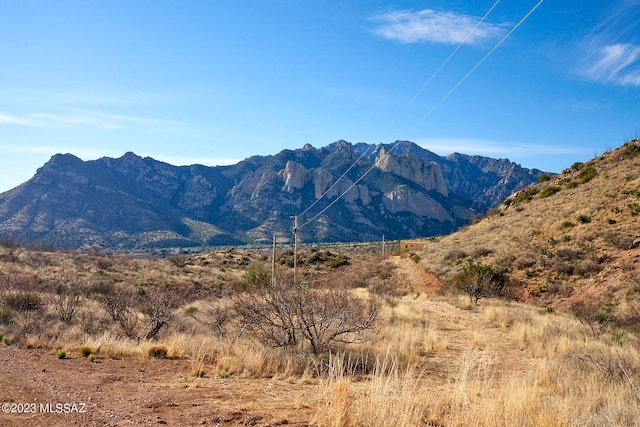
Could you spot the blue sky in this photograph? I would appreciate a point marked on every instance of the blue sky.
(214, 82)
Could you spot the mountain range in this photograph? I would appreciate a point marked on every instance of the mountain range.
(361, 193)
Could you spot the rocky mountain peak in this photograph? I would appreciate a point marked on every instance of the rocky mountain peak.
(134, 202)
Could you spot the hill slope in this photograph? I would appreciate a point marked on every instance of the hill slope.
(134, 202)
(574, 236)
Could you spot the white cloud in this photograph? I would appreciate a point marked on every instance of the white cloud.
(74, 117)
(50, 150)
(446, 146)
(7, 119)
(436, 27)
(617, 63)
(96, 153)
(611, 51)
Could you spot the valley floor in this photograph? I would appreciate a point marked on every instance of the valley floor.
(134, 392)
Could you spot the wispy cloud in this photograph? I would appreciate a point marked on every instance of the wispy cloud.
(73, 117)
(435, 26)
(95, 153)
(611, 50)
(616, 63)
(50, 150)
(445, 146)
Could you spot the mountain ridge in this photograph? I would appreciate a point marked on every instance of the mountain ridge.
(139, 202)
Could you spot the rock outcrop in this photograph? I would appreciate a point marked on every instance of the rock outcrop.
(398, 191)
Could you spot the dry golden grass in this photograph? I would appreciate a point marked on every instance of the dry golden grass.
(436, 359)
(562, 247)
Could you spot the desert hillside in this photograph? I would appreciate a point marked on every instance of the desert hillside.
(570, 237)
(359, 339)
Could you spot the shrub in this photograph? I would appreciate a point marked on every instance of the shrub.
(85, 351)
(213, 315)
(289, 314)
(526, 194)
(480, 281)
(61, 355)
(587, 174)
(543, 177)
(91, 357)
(550, 191)
(577, 166)
(5, 316)
(157, 352)
(631, 149)
(455, 255)
(25, 306)
(583, 219)
(593, 313)
(65, 302)
(8, 340)
(480, 252)
(415, 258)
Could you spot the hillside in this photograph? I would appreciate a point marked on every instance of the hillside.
(572, 237)
(140, 203)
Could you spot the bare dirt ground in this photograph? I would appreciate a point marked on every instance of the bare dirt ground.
(132, 392)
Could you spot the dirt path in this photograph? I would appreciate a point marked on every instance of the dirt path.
(150, 392)
(140, 393)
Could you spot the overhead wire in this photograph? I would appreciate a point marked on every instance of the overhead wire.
(474, 68)
(415, 96)
(334, 201)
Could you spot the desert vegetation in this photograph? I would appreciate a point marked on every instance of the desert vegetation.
(524, 318)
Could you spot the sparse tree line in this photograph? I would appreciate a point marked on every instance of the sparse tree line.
(315, 315)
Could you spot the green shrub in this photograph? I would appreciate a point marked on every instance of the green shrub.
(631, 149)
(549, 191)
(526, 194)
(8, 340)
(587, 174)
(157, 352)
(85, 351)
(583, 219)
(415, 258)
(480, 281)
(91, 358)
(543, 177)
(61, 355)
(577, 166)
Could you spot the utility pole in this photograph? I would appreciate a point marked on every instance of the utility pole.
(273, 261)
(295, 249)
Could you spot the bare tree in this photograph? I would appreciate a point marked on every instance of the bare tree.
(213, 315)
(158, 311)
(122, 307)
(593, 313)
(66, 301)
(287, 314)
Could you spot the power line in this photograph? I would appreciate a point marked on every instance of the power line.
(400, 113)
(474, 68)
(446, 61)
(423, 118)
